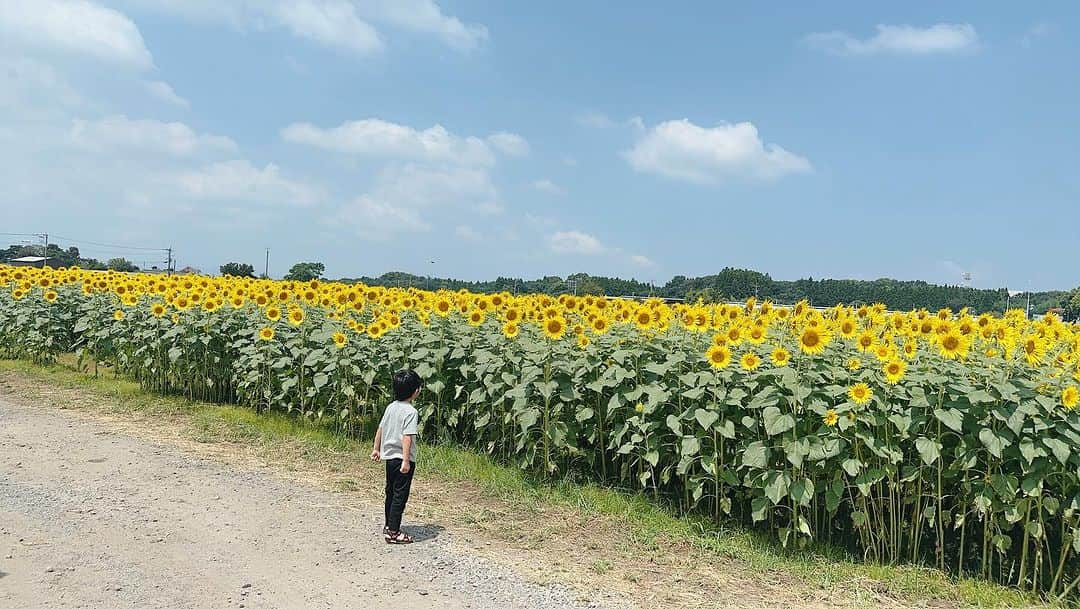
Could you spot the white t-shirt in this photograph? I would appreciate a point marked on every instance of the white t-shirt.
(398, 421)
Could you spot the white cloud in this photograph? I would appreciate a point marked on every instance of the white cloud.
(467, 233)
(121, 134)
(575, 242)
(510, 144)
(332, 23)
(415, 196)
(349, 25)
(642, 261)
(74, 27)
(549, 187)
(378, 138)
(164, 92)
(682, 150)
(421, 187)
(377, 220)
(30, 89)
(239, 180)
(425, 16)
(901, 39)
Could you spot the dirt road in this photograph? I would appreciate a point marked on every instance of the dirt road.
(94, 518)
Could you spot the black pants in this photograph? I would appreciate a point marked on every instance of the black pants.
(397, 492)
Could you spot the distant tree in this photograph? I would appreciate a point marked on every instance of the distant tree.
(588, 285)
(237, 269)
(122, 264)
(305, 271)
(1072, 305)
(9, 253)
(92, 264)
(19, 251)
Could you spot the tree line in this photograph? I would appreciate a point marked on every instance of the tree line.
(733, 284)
(730, 284)
(70, 257)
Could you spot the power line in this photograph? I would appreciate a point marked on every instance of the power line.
(123, 247)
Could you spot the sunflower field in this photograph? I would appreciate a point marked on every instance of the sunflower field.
(937, 438)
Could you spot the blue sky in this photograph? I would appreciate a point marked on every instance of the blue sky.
(917, 141)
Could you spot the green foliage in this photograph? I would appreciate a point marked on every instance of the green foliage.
(237, 269)
(732, 284)
(305, 271)
(962, 465)
(122, 265)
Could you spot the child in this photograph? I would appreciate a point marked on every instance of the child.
(395, 443)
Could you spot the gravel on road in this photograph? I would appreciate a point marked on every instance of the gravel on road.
(90, 517)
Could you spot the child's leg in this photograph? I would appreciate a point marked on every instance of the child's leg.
(402, 486)
(393, 470)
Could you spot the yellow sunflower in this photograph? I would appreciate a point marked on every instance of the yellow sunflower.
(719, 356)
(266, 334)
(953, 345)
(272, 313)
(296, 316)
(1034, 349)
(860, 393)
(340, 339)
(780, 356)
(50, 296)
(476, 317)
(554, 327)
(118, 315)
(510, 329)
(813, 340)
(830, 417)
(749, 361)
(158, 310)
(1070, 397)
(865, 342)
(894, 371)
(643, 319)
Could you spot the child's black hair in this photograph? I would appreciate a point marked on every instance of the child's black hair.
(406, 382)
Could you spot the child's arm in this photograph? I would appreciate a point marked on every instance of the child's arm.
(378, 444)
(406, 447)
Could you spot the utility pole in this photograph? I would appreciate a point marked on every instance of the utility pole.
(266, 268)
(45, 254)
(168, 262)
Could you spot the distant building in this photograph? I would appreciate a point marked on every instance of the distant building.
(34, 261)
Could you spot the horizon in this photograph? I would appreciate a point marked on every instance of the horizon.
(854, 142)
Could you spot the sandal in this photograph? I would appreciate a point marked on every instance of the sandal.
(398, 537)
